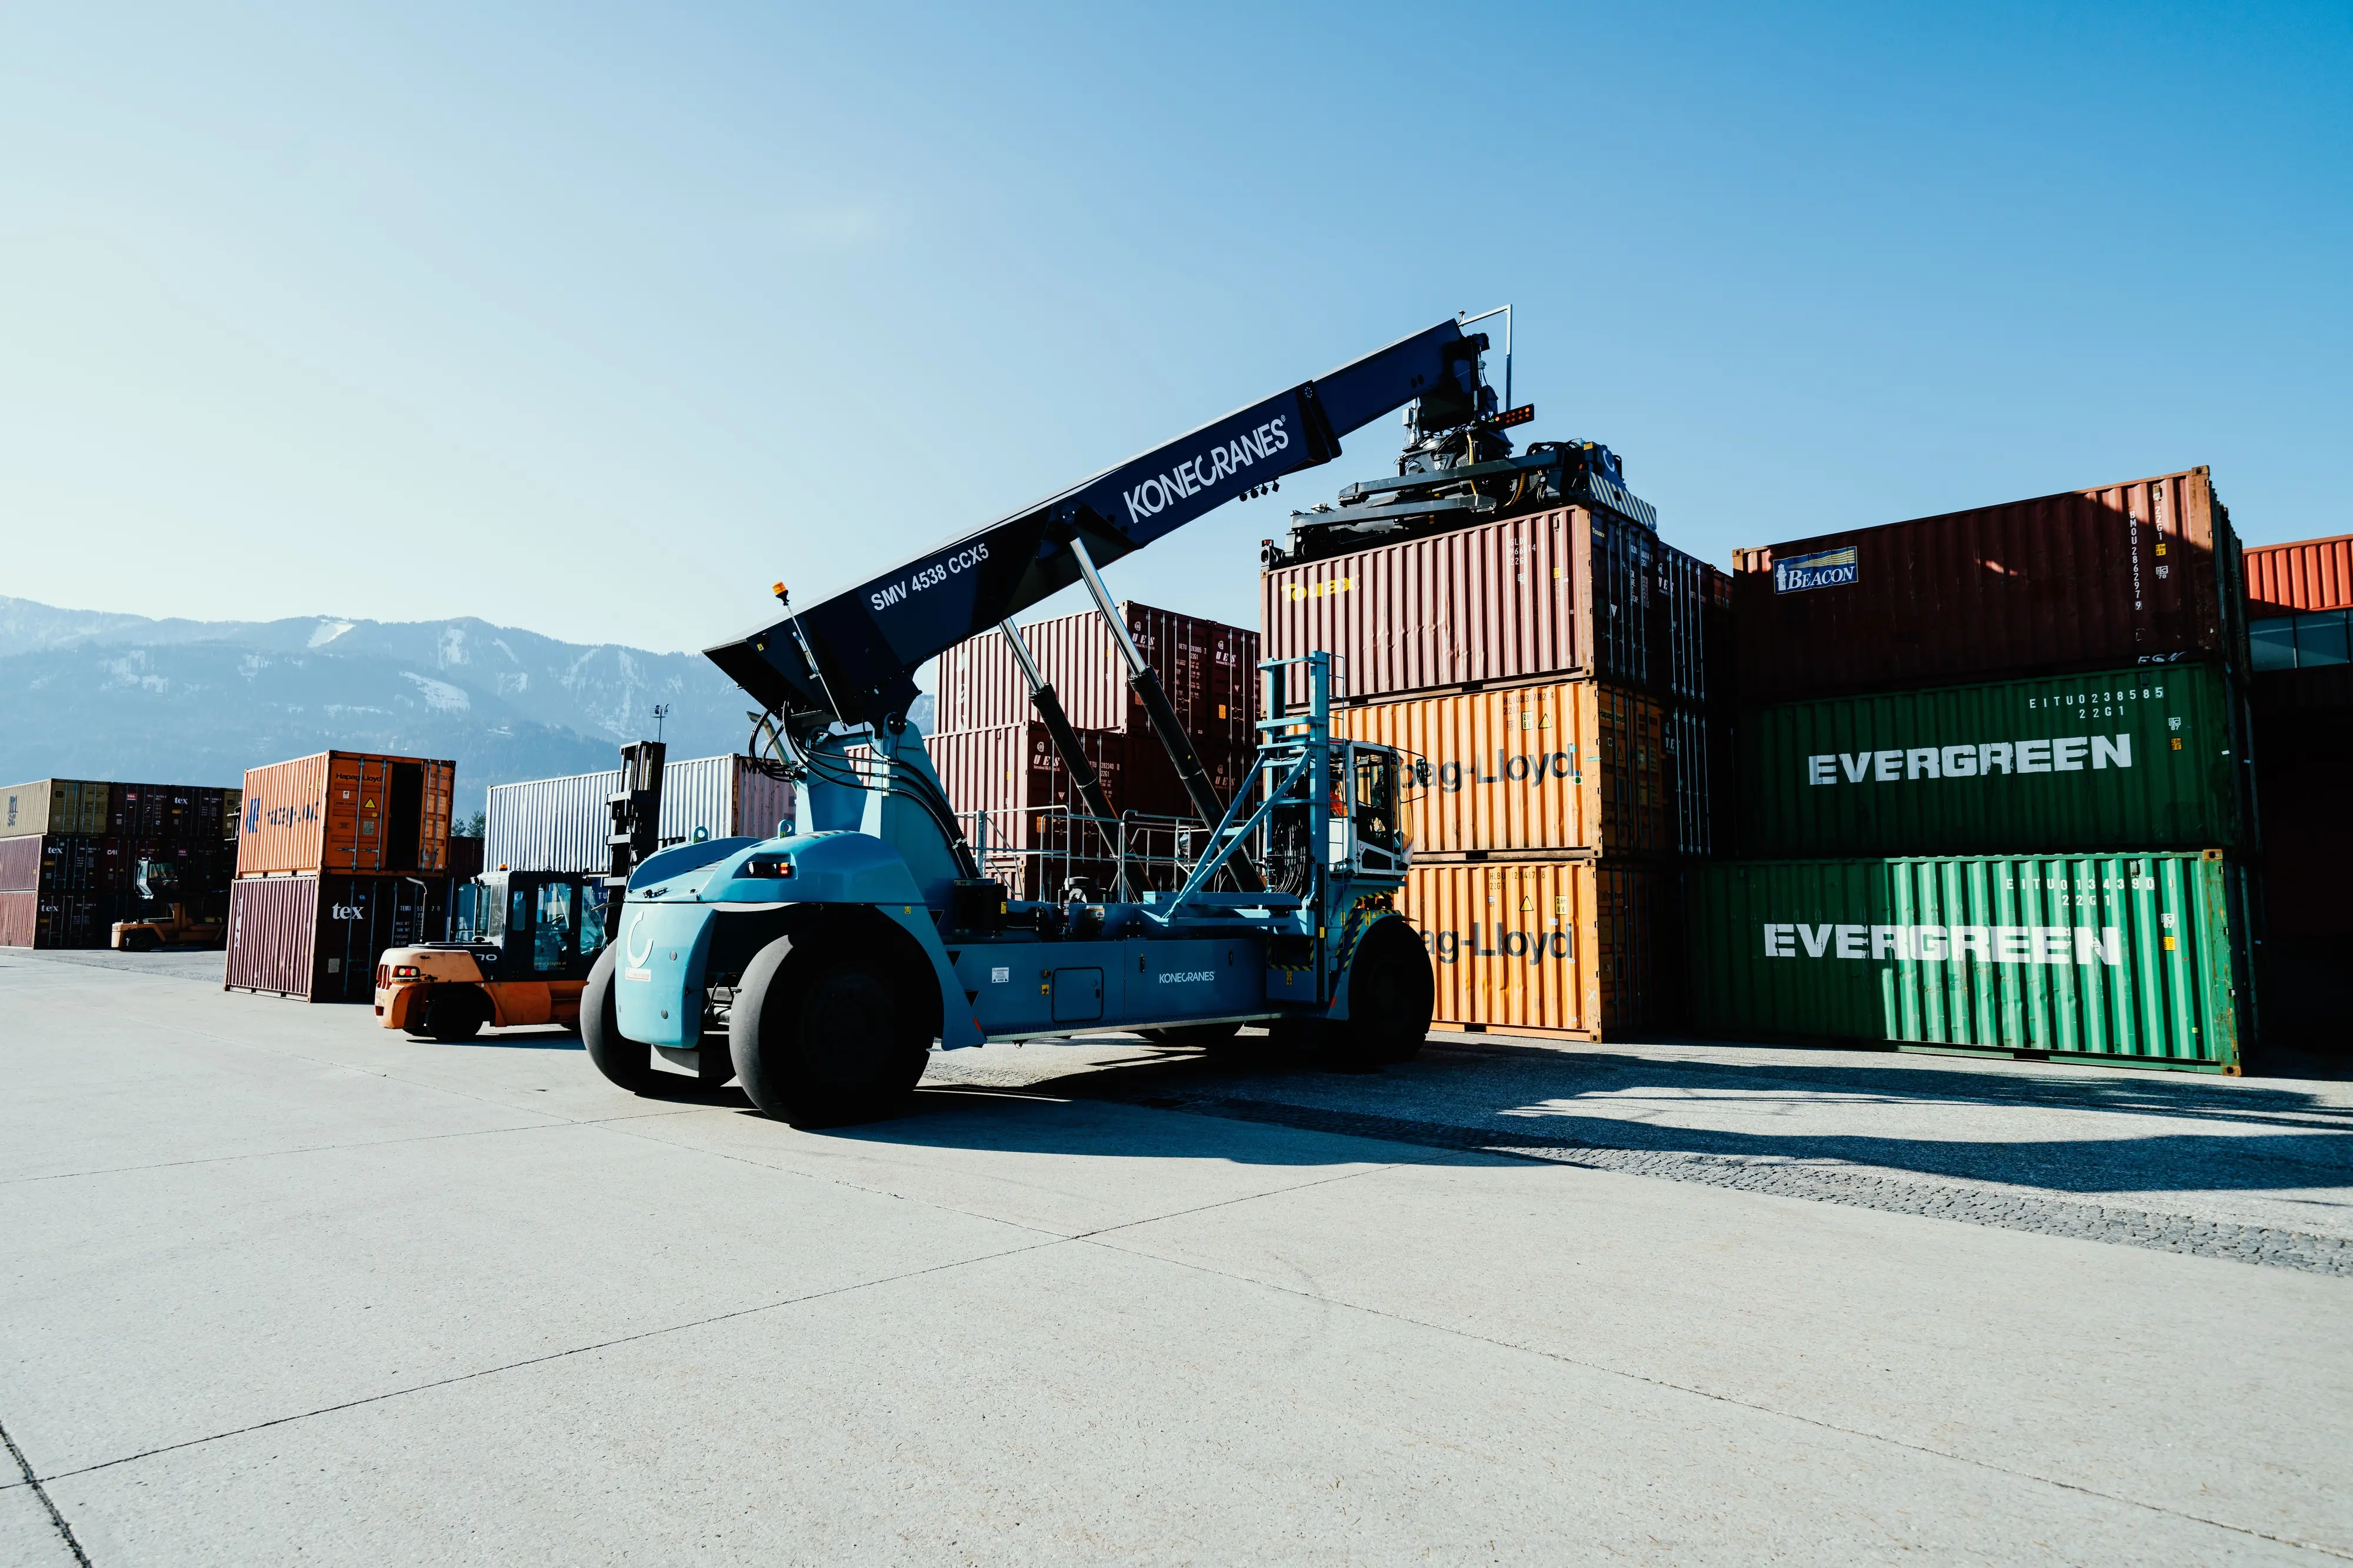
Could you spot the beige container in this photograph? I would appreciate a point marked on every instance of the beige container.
(1569, 764)
(1572, 949)
(54, 805)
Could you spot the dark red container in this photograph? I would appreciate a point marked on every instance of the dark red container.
(1208, 669)
(2309, 575)
(1558, 594)
(20, 916)
(317, 938)
(2145, 572)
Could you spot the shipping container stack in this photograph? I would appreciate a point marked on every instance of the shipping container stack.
(1009, 784)
(70, 850)
(340, 855)
(2300, 626)
(1551, 675)
(1994, 782)
(565, 824)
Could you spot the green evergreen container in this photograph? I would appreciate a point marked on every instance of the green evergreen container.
(2156, 756)
(2136, 959)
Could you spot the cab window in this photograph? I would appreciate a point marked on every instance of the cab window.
(552, 926)
(592, 925)
(1377, 800)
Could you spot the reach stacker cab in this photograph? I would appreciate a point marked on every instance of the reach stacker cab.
(820, 969)
(524, 944)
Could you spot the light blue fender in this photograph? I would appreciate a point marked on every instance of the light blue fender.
(676, 898)
(1354, 927)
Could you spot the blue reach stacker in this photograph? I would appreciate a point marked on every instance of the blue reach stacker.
(820, 968)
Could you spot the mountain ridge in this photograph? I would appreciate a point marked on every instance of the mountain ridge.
(97, 694)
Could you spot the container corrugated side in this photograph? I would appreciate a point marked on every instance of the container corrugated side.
(55, 806)
(318, 939)
(2307, 574)
(2137, 959)
(2152, 756)
(1208, 669)
(1571, 764)
(346, 811)
(1559, 594)
(2143, 572)
(1583, 948)
(1013, 799)
(20, 919)
(565, 823)
(20, 864)
(273, 929)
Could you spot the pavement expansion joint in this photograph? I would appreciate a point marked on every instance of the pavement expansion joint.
(24, 1468)
(1859, 1188)
(1692, 1391)
(526, 1362)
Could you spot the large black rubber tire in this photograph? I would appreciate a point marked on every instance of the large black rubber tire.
(824, 1035)
(626, 1063)
(139, 942)
(454, 1013)
(1218, 1040)
(1391, 998)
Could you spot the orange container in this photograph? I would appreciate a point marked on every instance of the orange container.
(1571, 764)
(346, 811)
(2309, 575)
(1585, 948)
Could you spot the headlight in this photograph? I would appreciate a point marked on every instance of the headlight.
(769, 865)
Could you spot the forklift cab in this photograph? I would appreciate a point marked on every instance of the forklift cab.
(533, 925)
(1369, 834)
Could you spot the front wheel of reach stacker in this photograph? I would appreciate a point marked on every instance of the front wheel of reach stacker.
(826, 1033)
(1390, 997)
(628, 1063)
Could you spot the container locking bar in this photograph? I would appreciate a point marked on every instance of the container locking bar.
(1083, 777)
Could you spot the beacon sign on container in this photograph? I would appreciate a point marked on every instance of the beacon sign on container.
(1823, 569)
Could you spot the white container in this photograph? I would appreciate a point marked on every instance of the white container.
(563, 824)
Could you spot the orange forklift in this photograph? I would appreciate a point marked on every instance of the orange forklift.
(171, 916)
(522, 941)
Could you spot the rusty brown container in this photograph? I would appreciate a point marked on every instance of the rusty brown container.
(346, 811)
(317, 938)
(1208, 668)
(20, 919)
(1582, 949)
(1567, 592)
(2309, 575)
(1569, 765)
(1013, 799)
(2143, 572)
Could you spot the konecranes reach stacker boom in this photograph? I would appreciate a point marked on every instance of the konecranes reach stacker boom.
(819, 968)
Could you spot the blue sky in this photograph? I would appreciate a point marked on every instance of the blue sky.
(598, 319)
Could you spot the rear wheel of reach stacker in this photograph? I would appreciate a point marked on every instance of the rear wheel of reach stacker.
(1391, 998)
(453, 1013)
(829, 1032)
(626, 1063)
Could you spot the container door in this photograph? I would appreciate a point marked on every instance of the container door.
(404, 809)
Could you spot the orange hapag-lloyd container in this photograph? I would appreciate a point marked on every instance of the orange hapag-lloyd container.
(1569, 764)
(1585, 948)
(345, 811)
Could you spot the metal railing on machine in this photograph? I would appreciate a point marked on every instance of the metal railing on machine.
(1039, 852)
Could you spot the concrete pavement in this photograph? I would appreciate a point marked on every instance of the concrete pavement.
(280, 1284)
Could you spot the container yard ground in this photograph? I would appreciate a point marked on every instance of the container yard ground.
(284, 1284)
